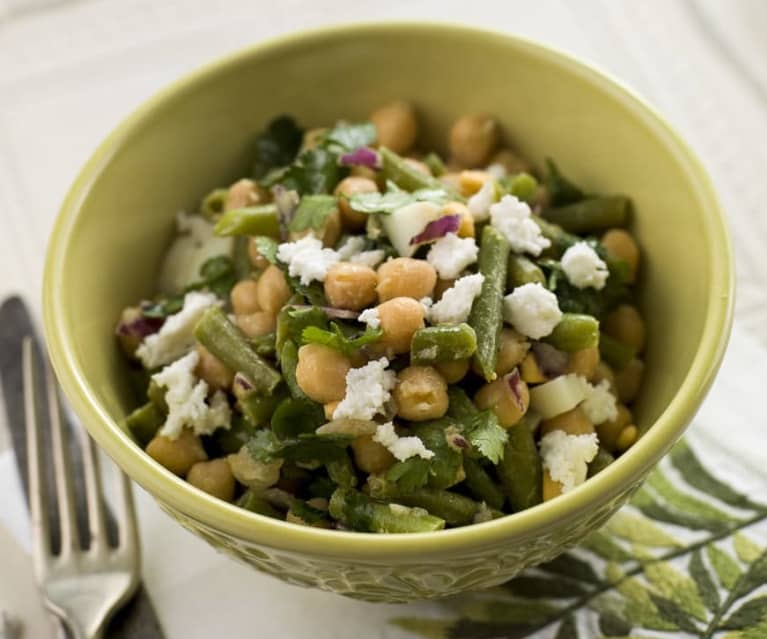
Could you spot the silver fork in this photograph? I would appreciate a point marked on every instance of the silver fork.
(82, 587)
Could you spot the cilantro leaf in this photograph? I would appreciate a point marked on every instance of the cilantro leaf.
(314, 171)
(312, 212)
(218, 275)
(351, 136)
(295, 417)
(409, 475)
(337, 340)
(277, 145)
(265, 447)
(486, 435)
(395, 198)
(267, 247)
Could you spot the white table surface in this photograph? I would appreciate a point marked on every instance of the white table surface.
(70, 71)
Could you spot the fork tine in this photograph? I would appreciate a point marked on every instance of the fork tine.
(128, 531)
(62, 468)
(94, 494)
(38, 497)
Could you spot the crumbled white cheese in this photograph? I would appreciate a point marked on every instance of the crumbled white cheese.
(511, 217)
(450, 254)
(479, 203)
(455, 304)
(600, 404)
(532, 310)
(368, 389)
(496, 171)
(307, 259)
(401, 447)
(566, 457)
(176, 336)
(583, 267)
(370, 317)
(185, 397)
(369, 258)
(353, 245)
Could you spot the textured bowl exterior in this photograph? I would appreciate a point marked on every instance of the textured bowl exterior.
(117, 219)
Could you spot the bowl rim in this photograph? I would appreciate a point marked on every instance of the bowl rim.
(253, 528)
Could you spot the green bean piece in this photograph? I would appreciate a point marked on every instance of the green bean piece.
(520, 470)
(144, 422)
(243, 268)
(591, 215)
(258, 409)
(560, 239)
(523, 271)
(486, 316)
(481, 485)
(288, 364)
(445, 466)
(460, 406)
(251, 220)
(341, 471)
(600, 462)
(256, 504)
(291, 322)
(395, 168)
(615, 353)
(455, 509)
(444, 343)
(264, 345)
(435, 164)
(523, 186)
(358, 512)
(228, 441)
(222, 338)
(156, 394)
(213, 203)
(574, 333)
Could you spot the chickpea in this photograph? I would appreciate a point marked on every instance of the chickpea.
(418, 166)
(244, 297)
(628, 380)
(621, 244)
(573, 422)
(351, 286)
(627, 438)
(256, 324)
(321, 373)
(421, 394)
(440, 287)
(454, 371)
(530, 371)
(508, 399)
(626, 325)
(177, 455)
(347, 187)
(329, 409)
(244, 193)
(608, 432)
(551, 488)
(472, 139)
(217, 374)
(466, 228)
(364, 172)
(471, 181)
(405, 277)
(214, 477)
(512, 349)
(370, 456)
(510, 161)
(602, 372)
(254, 474)
(396, 126)
(584, 362)
(256, 259)
(273, 290)
(400, 318)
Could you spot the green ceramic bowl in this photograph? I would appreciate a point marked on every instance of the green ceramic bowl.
(118, 218)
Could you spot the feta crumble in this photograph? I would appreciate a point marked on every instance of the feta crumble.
(511, 217)
(455, 305)
(532, 310)
(307, 259)
(566, 457)
(401, 447)
(600, 404)
(185, 397)
(353, 245)
(479, 203)
(368, 389)
(583, 267)
(451, 254)
(497, 171)
(370, 317)
(176, 336)
(369, 258)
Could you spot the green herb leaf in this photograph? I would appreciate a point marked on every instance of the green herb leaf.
(218, 276)
(605, 547)
(277, 145)
(395, 198)
(315, 171)
(746, 549)
(264, 446)
(612, 625)
(409, 475)
(292, 321)
(312, 212)
(534, 587)
(307, 513)
(571, 566)
(726, 568)
(337, 340)
(351, 136)
(486, 435)
(435, 163)
(267, 247)
(749, 614)
(568, 629)
(674, 614)
(709, 593)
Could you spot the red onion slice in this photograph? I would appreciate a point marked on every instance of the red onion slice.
(363, 156)
(551, 361)
(436, 229)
